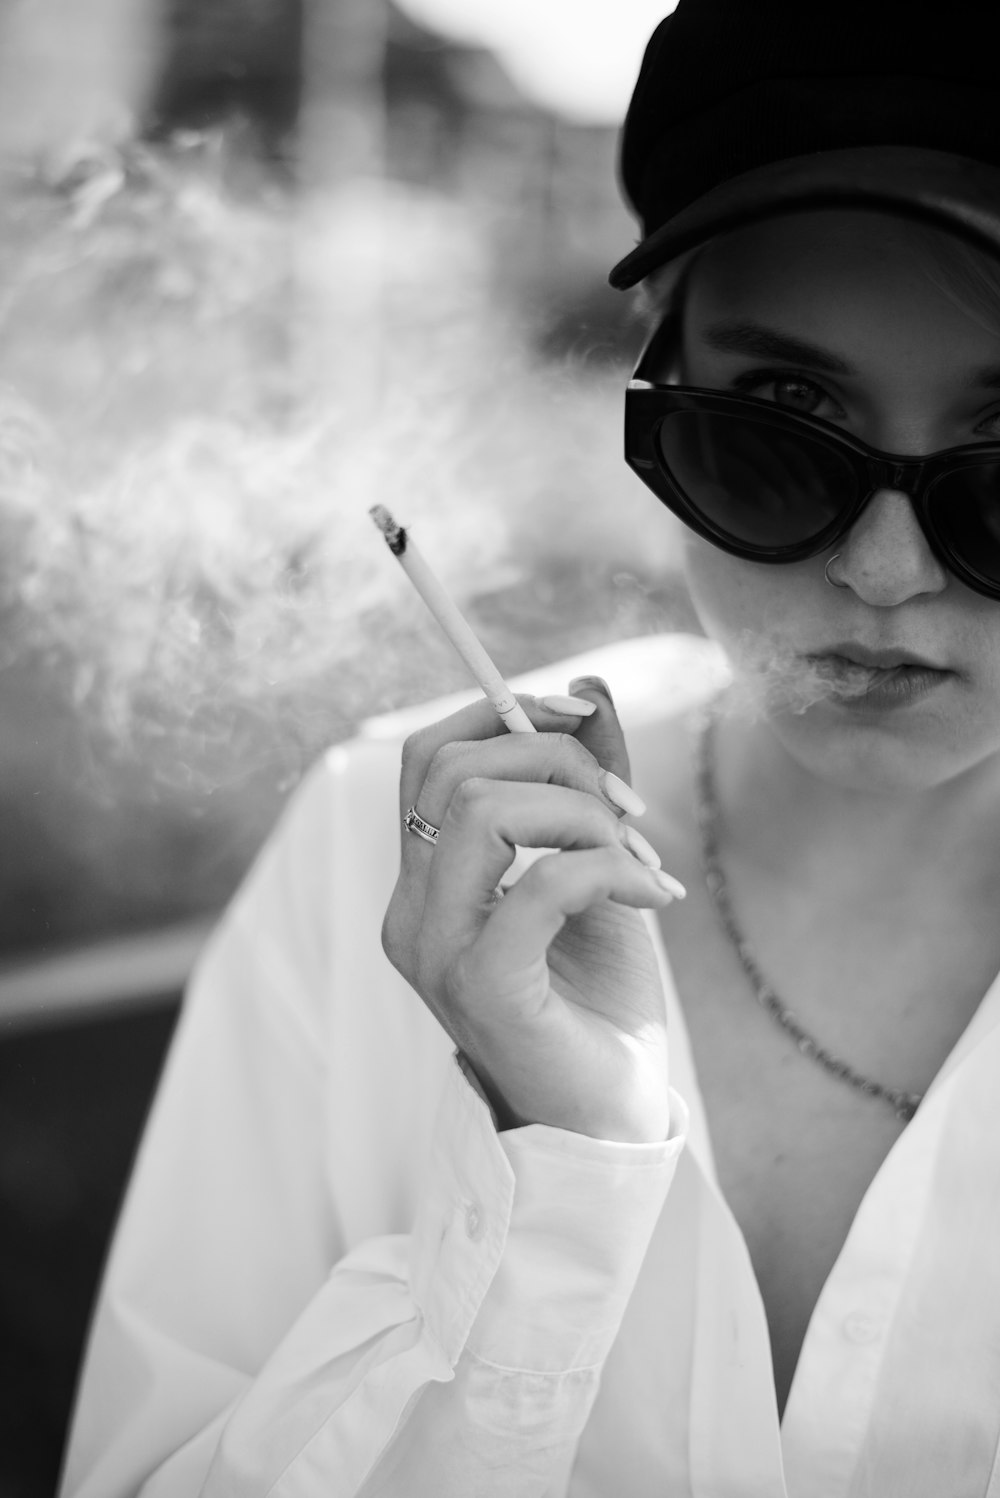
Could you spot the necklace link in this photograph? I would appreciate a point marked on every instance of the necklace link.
(904, 1104)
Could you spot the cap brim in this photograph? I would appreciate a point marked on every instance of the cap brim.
(952, 192)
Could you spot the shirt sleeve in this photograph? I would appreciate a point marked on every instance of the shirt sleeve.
(244, 1344)
(464, 1359)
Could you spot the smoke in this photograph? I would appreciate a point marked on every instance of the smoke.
(771, 678)
(220, 581)
(202, 402)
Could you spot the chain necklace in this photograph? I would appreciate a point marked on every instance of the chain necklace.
(903, 1104)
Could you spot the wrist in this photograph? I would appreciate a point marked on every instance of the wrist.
(645, 1117)
(503, 1115)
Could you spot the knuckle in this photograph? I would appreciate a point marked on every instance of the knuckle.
(603, 871)
(598, 825)
(543, 875)
(469, 798)
(574, 762)
(416, 745)
(391, 935)
(568, 747)
(446, 760)
(400, 930)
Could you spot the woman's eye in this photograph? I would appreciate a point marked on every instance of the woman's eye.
(989, 428)
(800, 395)
(792, 392)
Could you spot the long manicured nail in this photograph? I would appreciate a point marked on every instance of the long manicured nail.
(621, 795)
(643, 850)
(574, 706)
(595, 683)
(669, 883)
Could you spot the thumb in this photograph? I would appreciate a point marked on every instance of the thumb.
(601, 733)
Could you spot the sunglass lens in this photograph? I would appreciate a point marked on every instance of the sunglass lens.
(753, 483)
(965, 507)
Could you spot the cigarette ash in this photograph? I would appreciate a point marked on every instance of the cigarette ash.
(395, 535)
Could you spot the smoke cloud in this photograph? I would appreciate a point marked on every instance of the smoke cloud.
(201, 403)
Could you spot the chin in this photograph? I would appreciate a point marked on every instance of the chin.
(878, 754)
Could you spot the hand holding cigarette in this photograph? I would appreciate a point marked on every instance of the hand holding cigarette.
(552, 993)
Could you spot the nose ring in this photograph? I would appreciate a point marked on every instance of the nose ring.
(826, 572)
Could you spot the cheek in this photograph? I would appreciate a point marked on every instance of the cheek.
(981, 649)
(734, 598)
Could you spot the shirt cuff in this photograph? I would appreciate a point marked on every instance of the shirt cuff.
(528, 1243)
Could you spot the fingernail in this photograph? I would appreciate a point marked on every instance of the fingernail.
(669, 883)
(578, 706)
(643, 850)
(621, 795)
(594, 683)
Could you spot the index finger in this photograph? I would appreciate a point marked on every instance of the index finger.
(476, 722)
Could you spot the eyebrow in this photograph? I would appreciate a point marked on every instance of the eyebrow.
(761, 342)
(767, 343)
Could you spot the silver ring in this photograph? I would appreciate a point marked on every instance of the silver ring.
(826, 572)
(413, 822)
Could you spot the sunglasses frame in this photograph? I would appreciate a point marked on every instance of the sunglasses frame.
(648, 404)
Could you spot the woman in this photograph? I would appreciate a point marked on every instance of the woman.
(640, 1234)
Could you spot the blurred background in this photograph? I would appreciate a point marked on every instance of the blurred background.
(265, 263)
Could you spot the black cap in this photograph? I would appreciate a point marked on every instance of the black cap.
(749, 107)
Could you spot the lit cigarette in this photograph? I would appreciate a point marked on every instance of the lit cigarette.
(459, 632)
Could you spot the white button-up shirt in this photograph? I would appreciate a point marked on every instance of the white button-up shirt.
(333, 1276)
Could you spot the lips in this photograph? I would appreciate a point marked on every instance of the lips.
(866, 680)
(852, 654)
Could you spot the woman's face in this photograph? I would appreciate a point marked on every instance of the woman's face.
(836, 315)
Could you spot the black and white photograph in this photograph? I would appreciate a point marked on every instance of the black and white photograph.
(499, 749)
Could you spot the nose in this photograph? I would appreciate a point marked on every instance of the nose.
(885, 557)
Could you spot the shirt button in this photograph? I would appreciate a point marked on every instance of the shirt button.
(473, 1222)
(862, 1328)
